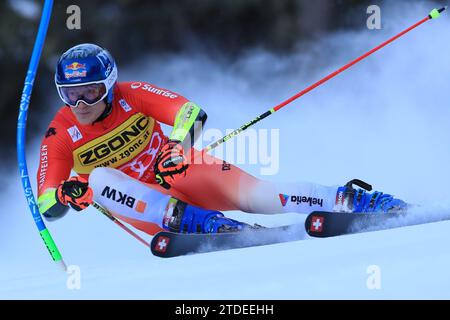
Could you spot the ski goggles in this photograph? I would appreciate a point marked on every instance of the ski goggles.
(90, 94)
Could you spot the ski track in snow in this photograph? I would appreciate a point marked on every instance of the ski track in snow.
(415, 216)
(384, 121)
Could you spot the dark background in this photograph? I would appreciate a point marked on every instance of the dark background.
(130, 28)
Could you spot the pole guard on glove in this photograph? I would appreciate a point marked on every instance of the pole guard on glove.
(170, 164)
(75, 192)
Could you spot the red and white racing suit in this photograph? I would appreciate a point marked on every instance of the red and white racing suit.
(128, 140)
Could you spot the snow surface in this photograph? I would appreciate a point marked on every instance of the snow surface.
(384, 121)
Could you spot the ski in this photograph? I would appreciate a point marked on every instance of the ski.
(324, 224)
(167, 244)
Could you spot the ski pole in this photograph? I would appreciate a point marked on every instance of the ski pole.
(21, 134)
(434, 14)
(120, 224)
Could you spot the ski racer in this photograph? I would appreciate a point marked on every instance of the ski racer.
(109, 134)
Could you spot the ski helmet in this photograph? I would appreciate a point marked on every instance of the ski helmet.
(86, 73)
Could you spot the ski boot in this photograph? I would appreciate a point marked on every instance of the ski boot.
(353, 200)
(186, 218)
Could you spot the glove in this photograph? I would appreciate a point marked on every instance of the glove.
(75, 192)
(170, 164)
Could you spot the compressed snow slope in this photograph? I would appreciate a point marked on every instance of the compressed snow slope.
(413, 264)
(384, 121)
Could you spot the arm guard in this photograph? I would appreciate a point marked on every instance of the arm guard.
(189, 122)
(50, 207)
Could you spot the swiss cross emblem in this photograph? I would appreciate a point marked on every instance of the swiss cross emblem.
(316, 224)
(161, 244)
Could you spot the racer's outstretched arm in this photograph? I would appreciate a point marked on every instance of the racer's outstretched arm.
(167, 107)
(55, 163)
(188, 125)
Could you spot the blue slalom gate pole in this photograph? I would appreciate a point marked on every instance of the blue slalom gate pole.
(21, 133)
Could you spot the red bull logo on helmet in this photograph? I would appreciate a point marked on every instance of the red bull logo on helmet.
(75, 70)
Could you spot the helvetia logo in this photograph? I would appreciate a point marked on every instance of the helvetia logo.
(308, 200)
(283, 198)
(300, 199)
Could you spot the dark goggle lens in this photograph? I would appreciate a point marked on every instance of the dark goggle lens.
(89, 94)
